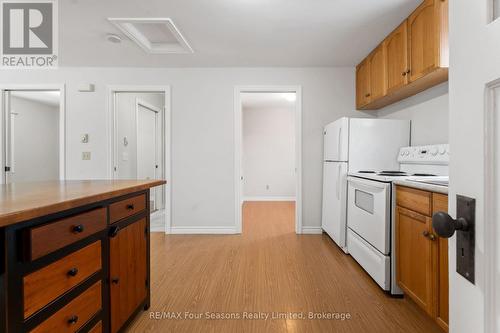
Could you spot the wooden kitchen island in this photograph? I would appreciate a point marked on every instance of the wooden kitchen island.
(75, 255)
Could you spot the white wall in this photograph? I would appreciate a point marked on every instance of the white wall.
(202, 128)
(269, 152)
(428, 112)
(36, 140)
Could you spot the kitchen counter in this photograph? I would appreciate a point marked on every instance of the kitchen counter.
(24, 201)
(422, 186)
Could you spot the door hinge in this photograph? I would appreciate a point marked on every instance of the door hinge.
(145, 231)
(156, 166)
(7, 168)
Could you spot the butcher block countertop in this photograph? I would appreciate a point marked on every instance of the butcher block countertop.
(23, 201)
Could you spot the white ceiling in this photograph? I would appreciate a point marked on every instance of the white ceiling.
(257, 100)
(51, 98)
(228, 33)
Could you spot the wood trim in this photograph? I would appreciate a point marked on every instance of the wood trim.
(97, 328)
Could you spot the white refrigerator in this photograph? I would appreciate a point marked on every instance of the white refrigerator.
(351, 145)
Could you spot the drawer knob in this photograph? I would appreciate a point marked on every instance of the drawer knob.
(429, 235)
(115, 280)
(130, 206)
(73, 272)
(72, 320)
(78, 228)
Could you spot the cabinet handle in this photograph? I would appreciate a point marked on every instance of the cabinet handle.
(78, 228)
(72, 320)
(428, 235)
(130, 207)
(367, 95)
(408, 71)
(404, 73)
(425, 233)
(73, 272)
(432, 237)
(113, 231)
(115, 280)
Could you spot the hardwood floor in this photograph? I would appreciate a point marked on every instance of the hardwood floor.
(268, 269)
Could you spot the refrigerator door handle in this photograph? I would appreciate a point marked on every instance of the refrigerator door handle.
(338, 182)
(339, 144)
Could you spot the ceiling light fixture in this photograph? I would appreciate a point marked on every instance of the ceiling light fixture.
(113, 38)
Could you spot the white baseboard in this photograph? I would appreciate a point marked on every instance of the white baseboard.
(202, 230)
(312, 230)
(269, 199)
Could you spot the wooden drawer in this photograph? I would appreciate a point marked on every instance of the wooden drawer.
(97, 328)
(53, 236)
(45, 285)
(415, 200)
(75, 314)
(127, 207)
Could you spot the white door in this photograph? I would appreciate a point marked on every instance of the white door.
(336, 134)
(334, 201)
(474, 156)
(147, 146)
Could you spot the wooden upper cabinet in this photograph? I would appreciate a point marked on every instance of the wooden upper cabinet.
(414, 58)
(378, 77)
(422, 46)
(363, 84)
(396, 50)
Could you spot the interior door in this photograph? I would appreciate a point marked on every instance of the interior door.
(128, 272)
(147, 142)
(334, 201)
(397, 58)
(474, 93)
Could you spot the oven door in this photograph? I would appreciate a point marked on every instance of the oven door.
(368, 211)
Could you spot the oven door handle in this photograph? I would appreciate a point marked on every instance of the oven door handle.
(368, 185)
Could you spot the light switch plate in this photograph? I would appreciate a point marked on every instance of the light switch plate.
(86, 155)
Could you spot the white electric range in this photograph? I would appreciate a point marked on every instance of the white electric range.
(371, 204)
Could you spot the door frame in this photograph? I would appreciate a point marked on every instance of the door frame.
(156, 110)
(167, 131)
(62, 122)
(238, 148)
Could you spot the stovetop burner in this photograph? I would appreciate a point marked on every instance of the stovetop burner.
(392, 173)
(423, 175)
(366, 171)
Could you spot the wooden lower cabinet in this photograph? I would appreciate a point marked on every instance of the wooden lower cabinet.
(128, 272)
(414, 258)
(422, 256)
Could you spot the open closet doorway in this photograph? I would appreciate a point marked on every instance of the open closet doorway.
(140, 143)
(32, 140)
(268, 162)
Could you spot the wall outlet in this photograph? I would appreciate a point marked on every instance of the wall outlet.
(86, 155)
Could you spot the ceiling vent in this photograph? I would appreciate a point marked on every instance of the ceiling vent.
(153, 35)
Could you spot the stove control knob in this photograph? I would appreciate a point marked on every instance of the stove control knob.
(442, 150)
(402, 153)
(434, 151)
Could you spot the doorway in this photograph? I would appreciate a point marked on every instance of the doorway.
(32, 137)
(139, 143)
(268, 150)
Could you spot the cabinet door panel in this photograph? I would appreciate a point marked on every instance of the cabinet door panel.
(363, 84)
(397, 58)
(423, 40)
(128, 272)
(378, 78)
(414, 257)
